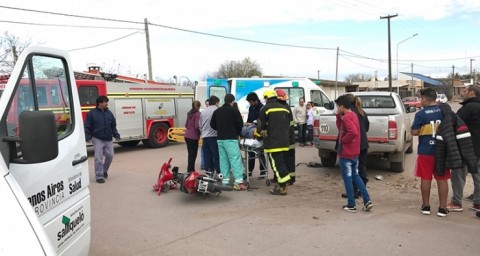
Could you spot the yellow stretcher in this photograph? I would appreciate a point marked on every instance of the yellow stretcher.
(178, 135)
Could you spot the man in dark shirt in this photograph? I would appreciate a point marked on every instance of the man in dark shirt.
(100, 128)
(253, 111)
(228, 123)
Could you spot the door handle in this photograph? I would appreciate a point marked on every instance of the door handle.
(81, 160)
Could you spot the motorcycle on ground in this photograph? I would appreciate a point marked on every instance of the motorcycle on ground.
(190, 182)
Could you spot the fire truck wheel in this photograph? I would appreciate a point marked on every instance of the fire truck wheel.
(158, 136)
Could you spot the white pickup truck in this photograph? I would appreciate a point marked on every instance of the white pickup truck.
(388, 136)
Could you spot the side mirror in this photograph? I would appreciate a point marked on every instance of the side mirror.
(38, 136)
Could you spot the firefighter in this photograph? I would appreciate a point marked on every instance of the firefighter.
(282, 97)
(276, 137)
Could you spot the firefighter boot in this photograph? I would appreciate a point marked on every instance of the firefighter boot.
(279, 190)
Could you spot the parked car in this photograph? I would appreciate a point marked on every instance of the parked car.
(412, 102)
(441, 98)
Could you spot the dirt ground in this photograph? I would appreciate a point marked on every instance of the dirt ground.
(128, 218)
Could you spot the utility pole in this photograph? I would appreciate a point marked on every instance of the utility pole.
(389, 51)
(453, 76)
(336, 76)
(414, 88)
(318, 77)
(149, 55)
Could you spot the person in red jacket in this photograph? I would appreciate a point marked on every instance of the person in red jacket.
(348, 151)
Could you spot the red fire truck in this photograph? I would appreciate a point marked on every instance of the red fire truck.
(144, 112)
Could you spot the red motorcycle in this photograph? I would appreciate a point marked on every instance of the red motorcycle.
(190, 182)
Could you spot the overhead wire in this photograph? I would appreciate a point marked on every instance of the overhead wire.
(346, 53)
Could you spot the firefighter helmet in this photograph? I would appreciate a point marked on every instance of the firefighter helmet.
(281, 95)
(269, 94)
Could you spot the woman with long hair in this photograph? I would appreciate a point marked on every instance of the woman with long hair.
(192, 134)
(364, 125)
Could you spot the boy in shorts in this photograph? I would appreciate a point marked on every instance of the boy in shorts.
(425, 127)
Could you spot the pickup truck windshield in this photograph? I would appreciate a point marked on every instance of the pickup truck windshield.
(377, 101)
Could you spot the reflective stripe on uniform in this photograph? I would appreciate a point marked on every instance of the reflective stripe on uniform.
(276, 149)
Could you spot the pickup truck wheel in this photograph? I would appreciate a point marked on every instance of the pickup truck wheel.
(330, 160)
(130, 143)
(396, 166)
(158, 136)
(409, 149)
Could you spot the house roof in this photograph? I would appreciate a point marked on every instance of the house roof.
(425, 79)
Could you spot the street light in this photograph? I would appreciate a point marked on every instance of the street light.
(398, 81)
(471, 74)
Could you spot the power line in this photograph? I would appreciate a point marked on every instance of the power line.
(350, 54)
(104, 43)
(63, 25)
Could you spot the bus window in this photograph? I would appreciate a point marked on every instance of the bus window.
(316, 98)
(294, 95)
(218, 91)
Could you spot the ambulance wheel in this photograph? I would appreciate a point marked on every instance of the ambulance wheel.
(158, 136)
(130, 143)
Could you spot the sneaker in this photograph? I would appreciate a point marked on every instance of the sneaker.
(356, 196)
(442, 212)
(279, 191)
(425, 210)
(469, 198)
(240, 187)
(367, 206)
(454, 207)
(100, 181)
(475, 207)
(263, 174)
(105, 175)
(349, 209)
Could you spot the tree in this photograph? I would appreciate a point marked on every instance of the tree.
(11, 47)
(353, 78)
(244, 68)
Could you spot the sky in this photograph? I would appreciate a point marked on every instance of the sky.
(190, 39)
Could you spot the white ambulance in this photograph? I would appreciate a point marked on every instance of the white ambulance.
(44, 171)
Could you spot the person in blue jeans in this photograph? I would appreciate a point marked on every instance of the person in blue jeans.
(348, 151)
(209, 137)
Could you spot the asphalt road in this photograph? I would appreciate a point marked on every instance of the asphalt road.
(128, 218)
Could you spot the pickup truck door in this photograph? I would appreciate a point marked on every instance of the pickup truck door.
(51, 171)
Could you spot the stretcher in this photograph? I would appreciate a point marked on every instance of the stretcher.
(256, 147)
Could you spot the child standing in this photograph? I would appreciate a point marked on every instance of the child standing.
(309, 124)
(348, 151)
(425, 127)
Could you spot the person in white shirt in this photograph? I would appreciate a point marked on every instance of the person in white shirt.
(300, 118)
